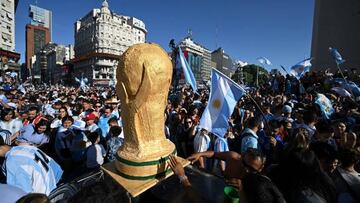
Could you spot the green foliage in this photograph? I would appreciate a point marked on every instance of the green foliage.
(249, 75)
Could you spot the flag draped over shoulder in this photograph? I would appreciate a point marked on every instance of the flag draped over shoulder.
(298, 70)
(223, 97)
(189, 76)
(264, 61)
(336, 55)
(325, 105)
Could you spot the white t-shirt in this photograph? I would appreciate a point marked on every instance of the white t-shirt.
(95, 156)
(13, 126)
(201, 142)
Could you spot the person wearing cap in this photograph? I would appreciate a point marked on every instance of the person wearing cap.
(90, 123)
(287, 113)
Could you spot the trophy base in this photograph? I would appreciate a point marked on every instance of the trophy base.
(141, 179)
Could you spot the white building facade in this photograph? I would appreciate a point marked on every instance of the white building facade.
(7, 25)
(199, 59)
(8, 56)
(69, 53)
(100, 38)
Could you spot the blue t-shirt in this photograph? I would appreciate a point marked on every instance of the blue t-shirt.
(28, 135)
(249, 140)
(31, 170)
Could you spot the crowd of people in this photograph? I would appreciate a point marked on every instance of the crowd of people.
(279, 147)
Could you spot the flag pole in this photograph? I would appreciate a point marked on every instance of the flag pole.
(342, 75)
(284, 69)
(257, 76)
(261, 111)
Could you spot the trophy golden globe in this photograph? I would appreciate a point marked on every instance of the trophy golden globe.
(143, 80)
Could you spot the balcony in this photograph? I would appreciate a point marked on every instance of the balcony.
(104, 63)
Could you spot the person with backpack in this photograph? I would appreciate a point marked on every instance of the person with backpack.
(95, 153)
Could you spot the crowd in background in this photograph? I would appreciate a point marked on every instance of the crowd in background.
(279, 145)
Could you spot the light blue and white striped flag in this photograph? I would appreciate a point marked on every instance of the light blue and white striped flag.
(264, 61)
(325, 105)
(299, 69)
(336, 55)
(189, 76)
(223, 97)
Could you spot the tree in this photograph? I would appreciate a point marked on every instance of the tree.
(249, 75)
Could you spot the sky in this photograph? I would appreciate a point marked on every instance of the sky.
(279, 30)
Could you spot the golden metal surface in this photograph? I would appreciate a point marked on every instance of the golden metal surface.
(144, 76)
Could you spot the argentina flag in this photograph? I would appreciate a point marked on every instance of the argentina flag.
(223, 97)
(325, 105)
(264, 61)
(189, 76)
(336, 55)
(350, 86)
(299, 69)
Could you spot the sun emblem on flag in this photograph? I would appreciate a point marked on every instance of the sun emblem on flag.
(216, 104)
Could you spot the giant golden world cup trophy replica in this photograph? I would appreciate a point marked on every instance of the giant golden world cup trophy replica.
(143, 80)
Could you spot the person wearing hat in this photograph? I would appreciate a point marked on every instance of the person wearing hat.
(287, 112)
(90, 123)
(114, 103)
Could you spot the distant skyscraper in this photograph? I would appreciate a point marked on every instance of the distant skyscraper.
(100, 38)
(40, 17)
(198, 57)
(223, 61)
(337, 25)
(36, 38)
(8, 56)
(38, 33)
